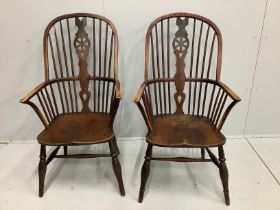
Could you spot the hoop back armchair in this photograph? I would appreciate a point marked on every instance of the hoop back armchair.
(182, 100)
(78, 101)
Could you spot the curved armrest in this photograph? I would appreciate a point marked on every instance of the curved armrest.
(27, 100)
(235, 99)
(218, 114)
(139, 93)
(233, 95)
(143, 102)
(28, 96)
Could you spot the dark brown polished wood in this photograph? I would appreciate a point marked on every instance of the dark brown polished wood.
(182, 99)
(79, 99)
(185, 131)
(77, 129)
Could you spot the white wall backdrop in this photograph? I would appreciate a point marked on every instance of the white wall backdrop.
(247, 27)
(264, 112)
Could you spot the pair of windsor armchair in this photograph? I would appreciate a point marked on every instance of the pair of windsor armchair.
(182, 100)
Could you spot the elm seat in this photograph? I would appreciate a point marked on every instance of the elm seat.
(184, 130)
(77, 129)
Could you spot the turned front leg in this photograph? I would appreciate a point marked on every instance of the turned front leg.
(145, 172)
(224, 174)
(42, 168)
(117, 166)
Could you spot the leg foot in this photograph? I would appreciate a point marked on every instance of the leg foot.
(202, 152)
(65, 150)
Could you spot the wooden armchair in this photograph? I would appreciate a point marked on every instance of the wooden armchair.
(78, 101)
(182, 100)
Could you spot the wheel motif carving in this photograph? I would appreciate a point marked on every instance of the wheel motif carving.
(81, 44)
(181, 44)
